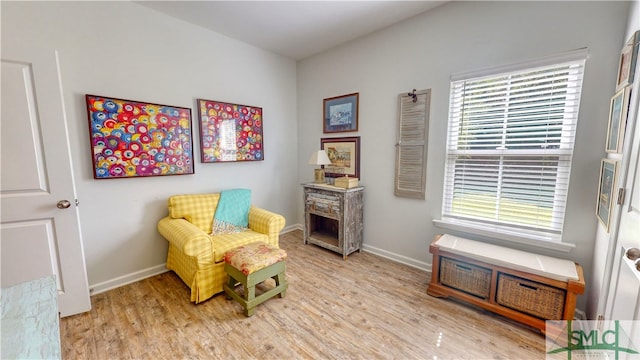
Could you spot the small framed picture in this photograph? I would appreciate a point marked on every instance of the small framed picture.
(606, 191)
(344, 154)
(618, 120)
(628, 59)
(341, 113)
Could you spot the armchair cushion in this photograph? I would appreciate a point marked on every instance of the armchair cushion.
(197, 209)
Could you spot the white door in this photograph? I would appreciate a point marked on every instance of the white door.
(624, 296)
(39, 229)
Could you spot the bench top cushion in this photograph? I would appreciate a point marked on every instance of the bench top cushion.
(550, 267)
(253, 257)
(223, 243)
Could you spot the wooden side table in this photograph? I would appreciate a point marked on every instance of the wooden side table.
(333, 217)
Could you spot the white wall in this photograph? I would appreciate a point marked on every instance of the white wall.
(423, 52)
(124, 50)
(603, 238)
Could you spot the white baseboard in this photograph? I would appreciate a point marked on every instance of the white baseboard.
(98, 288)
(291, 228)
(123, 280)
(397, 258)
(127, 279)
(578, 315)
(380, 252)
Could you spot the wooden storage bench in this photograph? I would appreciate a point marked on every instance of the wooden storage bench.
(525, 287)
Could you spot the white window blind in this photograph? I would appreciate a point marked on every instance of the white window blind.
(509, 146)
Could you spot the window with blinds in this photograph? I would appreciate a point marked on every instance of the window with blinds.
(509, 146)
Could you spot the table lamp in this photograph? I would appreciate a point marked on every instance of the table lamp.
(319, 158)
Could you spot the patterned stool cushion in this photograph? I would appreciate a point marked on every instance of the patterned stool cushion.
(253, 257)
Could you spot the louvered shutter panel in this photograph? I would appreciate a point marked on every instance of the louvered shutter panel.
(411, 147)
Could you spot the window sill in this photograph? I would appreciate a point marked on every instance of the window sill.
(530, 238)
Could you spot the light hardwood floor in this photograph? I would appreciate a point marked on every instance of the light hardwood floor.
(365, 307)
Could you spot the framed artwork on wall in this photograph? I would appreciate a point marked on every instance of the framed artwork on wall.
(604, 205)
(138, 139)
(340, 113)
(230, 132)
(344, 154)
(618, 120)
(628, 59)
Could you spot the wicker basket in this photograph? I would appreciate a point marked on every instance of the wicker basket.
(469, 278)
(530, 297)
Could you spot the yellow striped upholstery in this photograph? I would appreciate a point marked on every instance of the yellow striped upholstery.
(197, 209)
(264, 222)
(194, 254)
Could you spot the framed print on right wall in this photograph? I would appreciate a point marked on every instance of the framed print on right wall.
(627, 64)
(604, 205)
(618, 120)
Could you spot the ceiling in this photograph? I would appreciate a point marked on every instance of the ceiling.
(295, 29)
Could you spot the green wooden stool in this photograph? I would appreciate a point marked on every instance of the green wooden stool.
(250, 265)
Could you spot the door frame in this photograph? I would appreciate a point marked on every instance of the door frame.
(627, 159)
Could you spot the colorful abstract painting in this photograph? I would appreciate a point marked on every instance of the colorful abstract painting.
(137, 139)
(230, 132)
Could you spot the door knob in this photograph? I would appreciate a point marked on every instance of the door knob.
(632, 253)
(63, 204)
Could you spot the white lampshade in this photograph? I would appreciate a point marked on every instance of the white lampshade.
(319, 158)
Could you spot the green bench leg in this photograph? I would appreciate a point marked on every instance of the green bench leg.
(249, 301)
(279, 279)
(230, 284)
(249, 298)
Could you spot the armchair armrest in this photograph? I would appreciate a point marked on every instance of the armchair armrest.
(186, 236)
(266, 222)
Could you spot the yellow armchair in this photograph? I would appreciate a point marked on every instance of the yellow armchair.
(196, 255)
